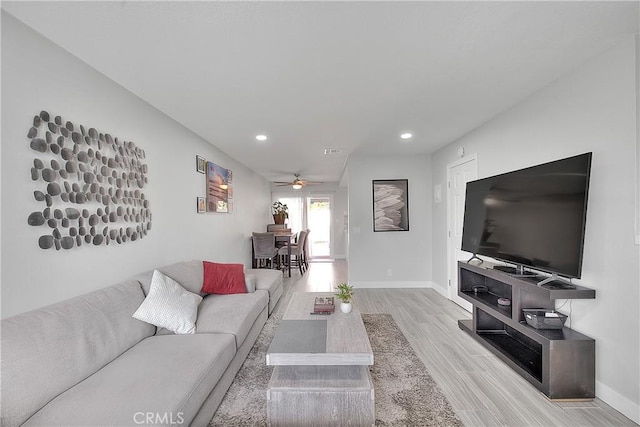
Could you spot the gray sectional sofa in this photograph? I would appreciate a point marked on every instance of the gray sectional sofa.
(87, 362)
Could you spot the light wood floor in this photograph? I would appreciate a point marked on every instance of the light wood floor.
(482, 390)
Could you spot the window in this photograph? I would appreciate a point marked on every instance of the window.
(313, 212)
(296, 212)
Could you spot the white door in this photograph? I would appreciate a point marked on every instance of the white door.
(458, 174)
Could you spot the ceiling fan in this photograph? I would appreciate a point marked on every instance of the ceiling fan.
(297, 183)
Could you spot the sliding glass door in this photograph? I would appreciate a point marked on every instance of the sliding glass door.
(312, 212)
(319, 220)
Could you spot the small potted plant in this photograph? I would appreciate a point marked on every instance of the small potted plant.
(345, 293)
(280, 212)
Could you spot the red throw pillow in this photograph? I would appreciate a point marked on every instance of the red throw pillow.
(223, 278)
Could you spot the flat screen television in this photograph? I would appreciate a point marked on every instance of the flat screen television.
(533, 217)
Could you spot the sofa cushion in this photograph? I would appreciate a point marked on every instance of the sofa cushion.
(223, 279)
(47, 351)
(169, 305)
(231, 314)
(188, 273)
(169, 377)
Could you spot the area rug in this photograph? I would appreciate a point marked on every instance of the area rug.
(405, 393)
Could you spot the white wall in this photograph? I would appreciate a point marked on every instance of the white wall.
(406, 253)
(638, 141)
(38, 75)
(340, 221)
(591, 109)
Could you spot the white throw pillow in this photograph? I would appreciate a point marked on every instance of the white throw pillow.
(169, 305)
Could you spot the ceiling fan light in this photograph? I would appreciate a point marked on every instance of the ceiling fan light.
(296, 186)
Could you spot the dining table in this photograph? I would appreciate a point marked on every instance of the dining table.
(283, 238)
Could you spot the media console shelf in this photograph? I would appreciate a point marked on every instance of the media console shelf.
(560, 362)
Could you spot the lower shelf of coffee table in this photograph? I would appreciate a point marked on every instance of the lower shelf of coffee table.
(321, 395)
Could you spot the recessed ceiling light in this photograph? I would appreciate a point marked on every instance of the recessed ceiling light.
(261, 137)
(406, 135)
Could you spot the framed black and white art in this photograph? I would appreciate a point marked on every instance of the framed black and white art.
(391, 205)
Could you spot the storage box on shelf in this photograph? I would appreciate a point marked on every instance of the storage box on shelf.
(560, 362)
(544, 319)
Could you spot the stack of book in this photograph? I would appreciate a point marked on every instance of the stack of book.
(323, 305)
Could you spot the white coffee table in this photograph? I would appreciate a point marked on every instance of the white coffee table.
(321, 374)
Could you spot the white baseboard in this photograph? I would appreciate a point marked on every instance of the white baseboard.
(390, 285)
(399, 285)
(617, 401)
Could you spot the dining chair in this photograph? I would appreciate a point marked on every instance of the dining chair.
(297, 250)
(305, 249)
(264, 249)
(276, 227)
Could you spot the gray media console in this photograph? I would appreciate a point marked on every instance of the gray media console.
(560, 362)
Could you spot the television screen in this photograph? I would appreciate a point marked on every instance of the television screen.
(533, 217)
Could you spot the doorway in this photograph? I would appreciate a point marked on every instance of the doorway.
(312, 212)
(458, 174)
(319, 222)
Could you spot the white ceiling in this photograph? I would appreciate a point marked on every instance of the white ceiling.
(316, 75)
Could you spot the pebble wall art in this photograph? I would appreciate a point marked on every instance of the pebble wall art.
(89, 183)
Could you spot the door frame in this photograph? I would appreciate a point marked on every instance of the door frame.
(451, 292)
(331, 216)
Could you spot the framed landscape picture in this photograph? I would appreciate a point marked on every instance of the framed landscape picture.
(391, 205)
(218, 182)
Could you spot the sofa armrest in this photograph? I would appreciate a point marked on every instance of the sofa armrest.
(250, 281)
